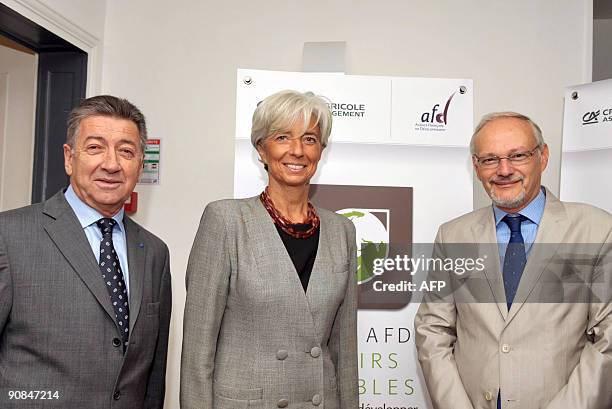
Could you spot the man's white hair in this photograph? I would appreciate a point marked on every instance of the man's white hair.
(535, 129)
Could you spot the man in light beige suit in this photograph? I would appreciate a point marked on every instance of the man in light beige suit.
(533, 329)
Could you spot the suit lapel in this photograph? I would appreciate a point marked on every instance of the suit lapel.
(136, 262)
(66, 232)
(484, 234)
(552, 229)
(274, 261)
(318, 284)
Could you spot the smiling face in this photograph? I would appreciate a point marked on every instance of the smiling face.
(292, 156)
(510, 186)
(105, 163)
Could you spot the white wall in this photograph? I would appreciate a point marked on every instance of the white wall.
(602, 46)
(178, 63)
(17, 109)
(87, 14)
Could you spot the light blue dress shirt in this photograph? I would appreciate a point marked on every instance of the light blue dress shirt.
(88, 217)
(529, 228)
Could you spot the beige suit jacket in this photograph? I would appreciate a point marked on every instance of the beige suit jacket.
(252, 337)
(540, 354)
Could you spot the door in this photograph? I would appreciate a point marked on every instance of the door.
(60, 85)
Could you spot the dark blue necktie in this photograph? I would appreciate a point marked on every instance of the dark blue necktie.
(515, 258)
(113, 278)
(514, 263)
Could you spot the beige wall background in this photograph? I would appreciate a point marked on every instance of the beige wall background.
(179, 65)
(177, 61)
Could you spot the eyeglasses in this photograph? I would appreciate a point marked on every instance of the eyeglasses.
(516, 158)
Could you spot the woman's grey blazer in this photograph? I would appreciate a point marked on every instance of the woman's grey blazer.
(252, 337)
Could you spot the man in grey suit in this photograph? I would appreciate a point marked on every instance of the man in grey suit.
(85, 294)
(533, 329)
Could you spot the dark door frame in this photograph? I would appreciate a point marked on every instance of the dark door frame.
(62, 79)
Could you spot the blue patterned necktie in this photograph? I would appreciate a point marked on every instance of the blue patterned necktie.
(514, 263)
(113, 278)
(515, 258)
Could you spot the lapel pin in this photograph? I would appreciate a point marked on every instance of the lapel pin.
(141, 245)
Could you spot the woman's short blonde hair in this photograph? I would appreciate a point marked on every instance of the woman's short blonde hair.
(279, 111)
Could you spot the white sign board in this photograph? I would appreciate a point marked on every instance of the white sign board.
(586, 174)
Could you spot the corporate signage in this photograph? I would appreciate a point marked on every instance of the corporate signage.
(587, 145)
(598, 116)
(439, 119)
(435, 119)
(360, 105)
(587, 120)
(373, 109)
(341, 109)
(383, 222)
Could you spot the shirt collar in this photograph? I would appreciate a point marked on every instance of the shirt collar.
(533, 211)
(86, 214)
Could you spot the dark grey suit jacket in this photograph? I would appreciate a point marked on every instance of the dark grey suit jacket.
(57, 325)
(252, 337)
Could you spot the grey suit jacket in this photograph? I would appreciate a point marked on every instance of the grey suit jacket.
(57, 325)
(542, 353)
(252, 337)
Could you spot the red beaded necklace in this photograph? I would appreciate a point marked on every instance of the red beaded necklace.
(285, 224)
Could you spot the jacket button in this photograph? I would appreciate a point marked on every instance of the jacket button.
(315, 352)
(505, 348)
(488, 395)
(282, 354)
(316, 400)
(116, 342)
(283, 403)
(117, 395)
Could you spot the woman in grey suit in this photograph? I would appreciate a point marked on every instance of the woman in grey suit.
(271, 311)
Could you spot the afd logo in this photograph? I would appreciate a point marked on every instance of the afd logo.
(440, 118)
(435, 119)
(592, 117)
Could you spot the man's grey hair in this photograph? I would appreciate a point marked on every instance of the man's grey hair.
(279, 111)
(109, 106)
(535, 129)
